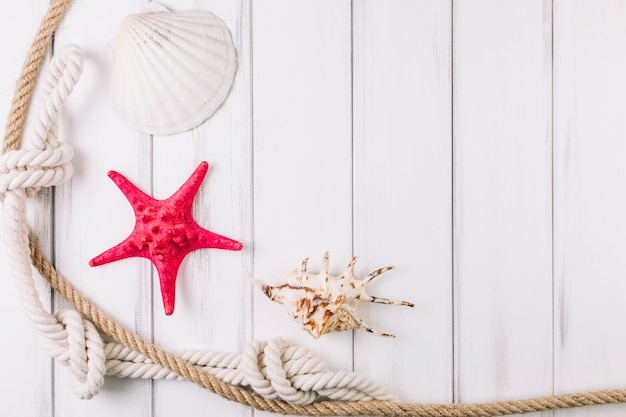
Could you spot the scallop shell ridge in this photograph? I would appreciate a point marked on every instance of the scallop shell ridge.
(172, 70)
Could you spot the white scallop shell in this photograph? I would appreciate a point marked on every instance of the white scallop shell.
(172, 70)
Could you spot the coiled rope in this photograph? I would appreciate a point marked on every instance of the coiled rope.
(272, 370)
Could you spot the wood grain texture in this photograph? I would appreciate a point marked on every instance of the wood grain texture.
(213, 293)
(502, 196)
(412, 133)
(213, 309)
(590, 202)
(302, 154)
(91, 214)
(402, 191)
(23, 362)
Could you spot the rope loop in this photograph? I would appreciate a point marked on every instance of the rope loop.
(278, 370)
(83, 354)
(262, 364)
(63, 75)
(31, 169)
(45, 162)
(286, 379)
(277, 375)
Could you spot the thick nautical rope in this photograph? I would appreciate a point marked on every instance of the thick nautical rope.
(67, 325)
(275, 370)
(68, 337)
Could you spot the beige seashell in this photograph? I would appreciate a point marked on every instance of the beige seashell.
(322, 303)
(171, 70)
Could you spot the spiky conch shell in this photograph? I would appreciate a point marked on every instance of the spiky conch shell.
(171, 70)
(322, 303)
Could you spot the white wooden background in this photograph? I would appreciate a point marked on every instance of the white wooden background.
(479, 146)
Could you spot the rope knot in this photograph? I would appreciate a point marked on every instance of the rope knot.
(46, 161)
(278, 370)
(31, 169)
(263, 364)
(81, 349)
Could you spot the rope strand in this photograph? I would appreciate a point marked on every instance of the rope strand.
(136, 350)
(30, 70)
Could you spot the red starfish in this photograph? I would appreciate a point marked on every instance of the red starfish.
(165, 231)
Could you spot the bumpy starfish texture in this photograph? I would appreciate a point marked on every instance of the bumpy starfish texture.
(165, 231)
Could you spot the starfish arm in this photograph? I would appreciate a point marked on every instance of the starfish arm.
(185, 195)
(165, 231)
(168, 271)
(126, 249)
(208, 239)
(133, 194)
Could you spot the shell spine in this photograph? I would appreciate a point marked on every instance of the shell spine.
(322, 303)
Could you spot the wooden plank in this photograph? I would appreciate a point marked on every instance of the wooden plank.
(302, 155)
(589, 183)
(92, 214)
(502, 197)
(402, 191)
(23, 361)
(213, 308)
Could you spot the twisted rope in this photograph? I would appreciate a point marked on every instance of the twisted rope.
(275, 369)
(28, 77)
(73, 340)
(67, 337)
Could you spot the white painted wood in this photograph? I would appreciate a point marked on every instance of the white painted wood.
(403, 190)
(590, 176)
(92, 214)
(355, 127)
(502, 199)
(302, 154)
(27, 370)
(213, 307)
